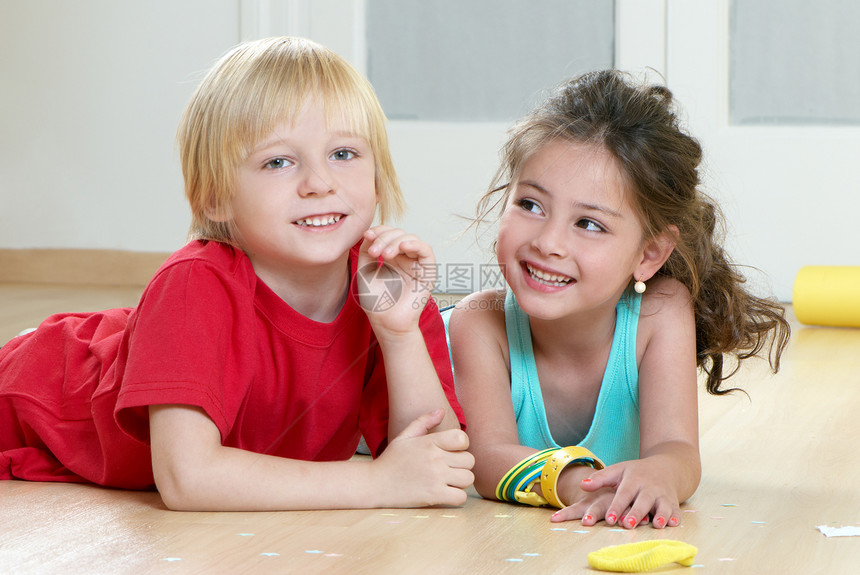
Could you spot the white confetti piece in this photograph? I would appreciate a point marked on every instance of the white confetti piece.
(759, 522)
(246, 534)
(502, 515)
(729, 505)
(314, 551)
(514, 560)
(531, 554)
(846, 531)
(270, 554)
(449, 516)
(558, 529)
(333, 555)
(172, 559)
(581, 531)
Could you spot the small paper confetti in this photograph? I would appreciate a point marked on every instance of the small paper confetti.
(729, 505)
(514, 560)
(531, 554)
(171, 559)
(246, 534)
(314, 551)
(727, 559)
(420, 516)
(581, 531)
(846, 531)
(449, 516)
(759, 522)
(502, 515)
(691, 510)
(270, 554)
(619, 530)
(558, 529)
(333, 555)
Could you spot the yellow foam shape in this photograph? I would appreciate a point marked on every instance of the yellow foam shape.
(642, 556)
(828, 295)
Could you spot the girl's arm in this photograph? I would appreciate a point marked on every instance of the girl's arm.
(479, 353)
(669, 467)
(193, 471)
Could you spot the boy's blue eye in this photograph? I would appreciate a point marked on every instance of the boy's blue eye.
(278, 163)
(589, 225)
(343, 155)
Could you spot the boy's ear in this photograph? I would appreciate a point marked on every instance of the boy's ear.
(656, 252)
(218, 213)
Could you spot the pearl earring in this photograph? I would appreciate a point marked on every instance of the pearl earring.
(639, 286)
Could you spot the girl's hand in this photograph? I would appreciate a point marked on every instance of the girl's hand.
(419, 468)
(626, 494)
(396, 275)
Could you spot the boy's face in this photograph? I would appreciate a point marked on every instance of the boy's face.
(304, 196)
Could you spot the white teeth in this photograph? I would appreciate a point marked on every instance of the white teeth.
(554, 280)
(318, 222)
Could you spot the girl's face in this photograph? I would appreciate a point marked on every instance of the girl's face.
(569, 241)
(304, 196)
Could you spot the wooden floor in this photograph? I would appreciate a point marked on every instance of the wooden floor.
(775, 466)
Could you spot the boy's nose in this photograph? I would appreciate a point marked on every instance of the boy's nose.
(316, 181)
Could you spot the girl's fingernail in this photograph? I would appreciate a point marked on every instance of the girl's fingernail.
(588, 518)
(555, 515)
(587, 480)
(660, 522)
(611, 517)
(674, 521)
(631, 522)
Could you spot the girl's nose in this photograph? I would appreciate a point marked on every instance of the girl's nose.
(551, 240)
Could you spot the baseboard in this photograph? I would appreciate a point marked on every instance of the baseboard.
(79, 266)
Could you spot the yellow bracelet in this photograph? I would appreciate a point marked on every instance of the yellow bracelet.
(555, 465)
(504, 491)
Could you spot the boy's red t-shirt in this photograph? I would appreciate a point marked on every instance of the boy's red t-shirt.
(74, 395)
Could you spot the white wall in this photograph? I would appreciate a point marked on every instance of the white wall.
(91, 95)
(92, 92)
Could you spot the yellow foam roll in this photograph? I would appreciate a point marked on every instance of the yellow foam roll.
(828, 295)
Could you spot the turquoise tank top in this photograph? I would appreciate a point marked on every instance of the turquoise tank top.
(614, 432)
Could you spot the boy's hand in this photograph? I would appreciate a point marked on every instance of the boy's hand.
(396, 275)
(419, 468)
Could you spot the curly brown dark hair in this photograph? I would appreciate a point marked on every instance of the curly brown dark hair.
(637, 123)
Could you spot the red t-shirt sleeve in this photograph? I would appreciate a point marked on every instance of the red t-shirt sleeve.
(374, 412)
(182, 348)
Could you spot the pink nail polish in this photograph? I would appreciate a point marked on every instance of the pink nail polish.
(588, 518)
(674, 521)
(660, 522)
(631, 522)
(611, 517)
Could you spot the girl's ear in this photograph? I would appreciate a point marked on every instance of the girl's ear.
(655, 253)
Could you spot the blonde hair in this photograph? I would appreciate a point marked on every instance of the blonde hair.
(249, 91)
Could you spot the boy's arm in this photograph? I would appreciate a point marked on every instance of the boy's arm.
(413, 383)
(193, 471)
